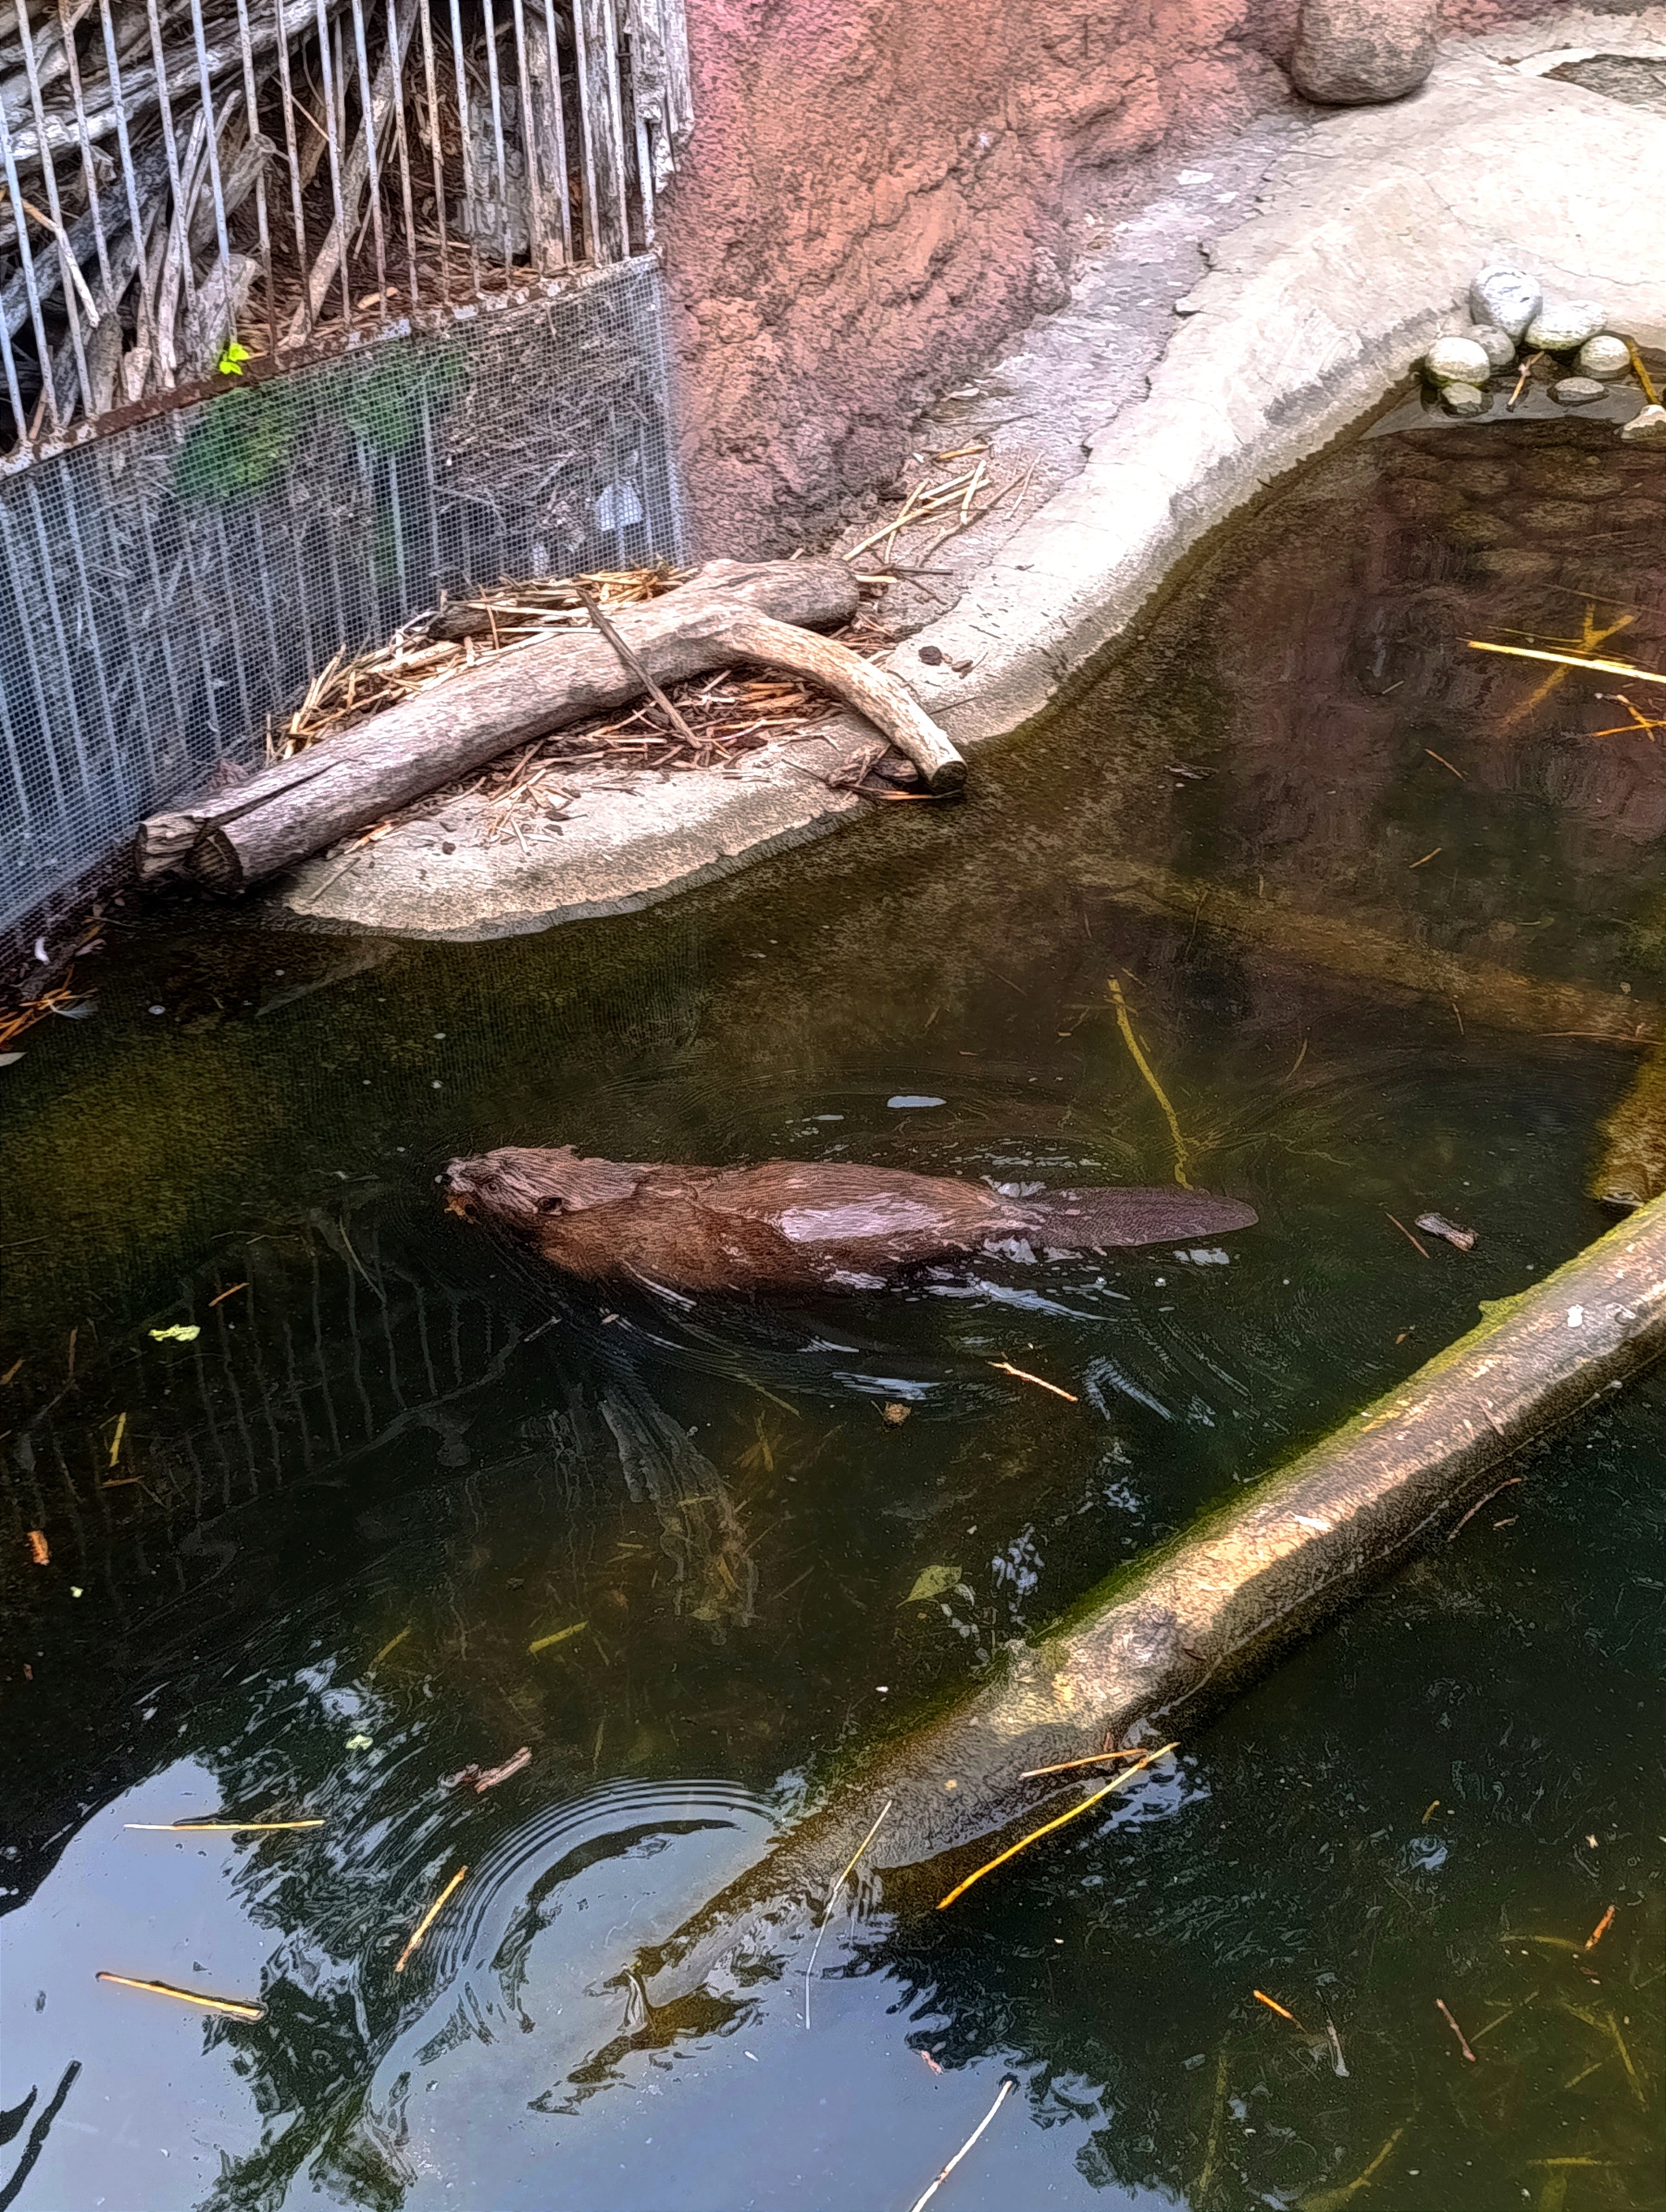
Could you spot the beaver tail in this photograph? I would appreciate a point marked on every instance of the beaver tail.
(1075, 1220)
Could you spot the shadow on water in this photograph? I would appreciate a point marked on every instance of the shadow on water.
(405, 1505)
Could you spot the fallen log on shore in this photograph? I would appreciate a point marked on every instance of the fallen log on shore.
(1479, 991)
(1157, 1645)
(728, 611)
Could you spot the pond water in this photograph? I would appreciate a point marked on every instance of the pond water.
(404, 1504)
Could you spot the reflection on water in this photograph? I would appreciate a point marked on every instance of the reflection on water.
(406, 1504)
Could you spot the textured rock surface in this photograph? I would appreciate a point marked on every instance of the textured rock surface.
(1354, 52)
(1576, 391)
(879, 191)
(1604, 357)
(1560, 325)
(1498, 345)
(1465, 399)
(1507, 297)
(1457, 361)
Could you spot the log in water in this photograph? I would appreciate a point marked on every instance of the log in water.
(1170, 1636)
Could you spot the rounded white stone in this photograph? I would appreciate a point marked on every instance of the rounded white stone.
(1498, 345)
(1464, 399)
(1560, 325)
(1457, 361)
(1506, 297)
(1577, 390)
(1603, 357)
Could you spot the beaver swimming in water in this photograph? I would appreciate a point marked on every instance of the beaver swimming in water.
(793, 1225)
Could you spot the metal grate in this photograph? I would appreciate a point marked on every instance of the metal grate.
(191, 184)
(166, 587)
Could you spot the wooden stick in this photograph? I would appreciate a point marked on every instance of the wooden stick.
(593, 608)
(1569, 659)
(426, 1922)
(234, 2008)
(1440, 2003)
(1093, 1758)
(216, 1827)
(833, 1891)
(926, 2194)
(1005, 1367)
(1046, 1828)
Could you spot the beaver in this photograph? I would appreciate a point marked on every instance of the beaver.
(793, 1225)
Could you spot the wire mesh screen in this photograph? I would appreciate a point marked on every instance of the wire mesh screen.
(191, 183)
(165, 588)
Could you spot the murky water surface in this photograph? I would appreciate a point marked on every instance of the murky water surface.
(404, 1504)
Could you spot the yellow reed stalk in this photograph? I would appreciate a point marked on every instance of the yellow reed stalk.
(233, 2007)
(428, 1921)
(1126, 1025)
(1046, 1828)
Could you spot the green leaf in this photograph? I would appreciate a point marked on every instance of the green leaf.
(239, 443)
(931, 1581)
(230, 362)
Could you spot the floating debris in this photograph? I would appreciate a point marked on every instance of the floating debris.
(482, 1778)
(40, 1550)
(1407, 1233)
(931, 1581)
(1093, 1758)
(224, 1295)
(1462, 2045)
(426, 1922)
(894, 1413)
(1005, 1367)
(1570, 661)
(1046, 1828)
(233, 2007)
(391, 1644)
(1124, 1023)
(220, 1828)
(844, 1876)
(1600, 1930)
(1438, 1226)
(1273, 2005)
(544, 1643)
(1509, 1482)
(179, 1333)
(926, 2194)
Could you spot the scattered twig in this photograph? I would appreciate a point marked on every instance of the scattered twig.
(426, 1922)
(1462, 2045)
(838, 1883)
(1125, 1024)
(560, 1635)
(40, 1550)
(483, 1778)
(224, 1295)
(1428, 857)
(1444, 763)
(1569, 660)
(1046, 1827)
(1273, 2005)
(1407, 1233)
(218, 1827)
(1600, 1930)
(1005, 1367)
(633, 662)
(233, 2007)
(1093, 1758)
(1001, 2095)
(1507, 1482)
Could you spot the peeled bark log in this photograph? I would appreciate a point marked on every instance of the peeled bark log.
(1172, 1635)
(238, 837)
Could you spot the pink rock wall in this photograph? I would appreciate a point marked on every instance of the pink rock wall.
(875, 196)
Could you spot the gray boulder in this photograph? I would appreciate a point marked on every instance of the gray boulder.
(1576, 391)
(1604, 357)
(1349, 53)
(1457, 361)
(1507, 297)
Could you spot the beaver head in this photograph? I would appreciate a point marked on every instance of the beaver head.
(518, 1185)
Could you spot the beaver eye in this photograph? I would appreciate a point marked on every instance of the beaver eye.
(550, 1205)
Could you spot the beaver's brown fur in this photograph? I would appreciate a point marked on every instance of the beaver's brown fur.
(790, 1224)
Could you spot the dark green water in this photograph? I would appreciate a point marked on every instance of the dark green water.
(312, 1561)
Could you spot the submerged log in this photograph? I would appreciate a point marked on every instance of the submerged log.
(1480, 992)
(729, 611)
(1165, 1639)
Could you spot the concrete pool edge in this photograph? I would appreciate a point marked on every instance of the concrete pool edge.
(1166, 1639)
(1314, 314)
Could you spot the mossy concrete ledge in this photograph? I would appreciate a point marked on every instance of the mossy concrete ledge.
(1148, 1653)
